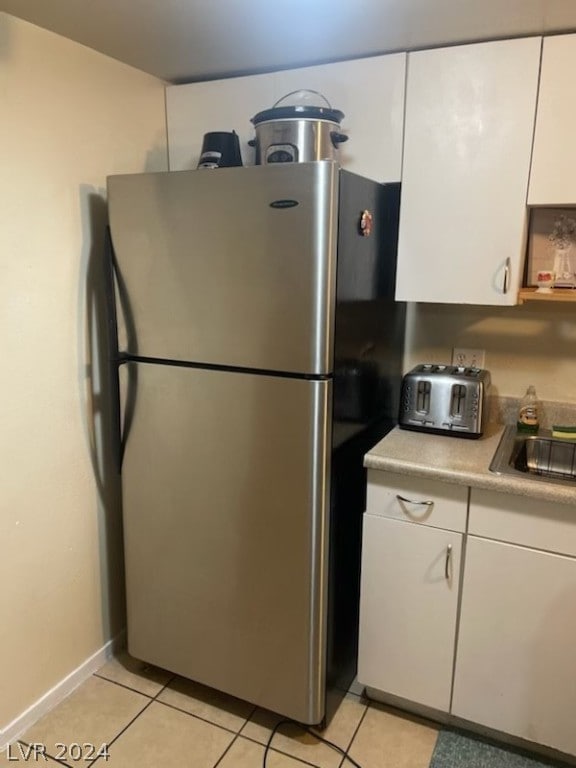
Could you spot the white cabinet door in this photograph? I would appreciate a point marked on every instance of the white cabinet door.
(553, 175)
(408, 606)
(218, 105)
(515, 669)
(370, 92)
(468, 138)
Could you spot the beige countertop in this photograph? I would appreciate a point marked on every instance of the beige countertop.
(458, 460)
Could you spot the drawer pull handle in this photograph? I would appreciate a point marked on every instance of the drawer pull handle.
(447, 563)
(411, 501)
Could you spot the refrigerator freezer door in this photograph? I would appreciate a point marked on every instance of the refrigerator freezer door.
(232, 267)
(225, 482)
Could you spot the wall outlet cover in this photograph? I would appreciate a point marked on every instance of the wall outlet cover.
(469, 358)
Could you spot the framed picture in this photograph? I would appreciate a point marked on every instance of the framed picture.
(543, 223)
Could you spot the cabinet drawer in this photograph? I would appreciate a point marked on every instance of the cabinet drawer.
(425, 501)
(522, 520)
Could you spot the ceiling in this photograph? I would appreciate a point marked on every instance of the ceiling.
(187, 40)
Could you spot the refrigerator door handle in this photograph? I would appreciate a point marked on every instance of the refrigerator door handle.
(125, 423)
(122, 417)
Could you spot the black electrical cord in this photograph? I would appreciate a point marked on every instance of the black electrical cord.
(312, 733)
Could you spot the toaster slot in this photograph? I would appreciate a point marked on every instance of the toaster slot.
(423, 396)
(458, 400)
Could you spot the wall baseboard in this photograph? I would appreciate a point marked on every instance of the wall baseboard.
(55, 695)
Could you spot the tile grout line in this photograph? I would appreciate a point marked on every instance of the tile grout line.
(197, 717)
(174, 706)
(123, 685)
(55, 759)
(166, 684)
(118, 735)
(280, 751)
(274, 749)
(228, 748)
(177, 709)
(123, 730)
(349, 747)
(109, 744)
(237, 734)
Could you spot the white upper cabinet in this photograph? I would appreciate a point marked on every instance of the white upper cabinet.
(218, 105)
(469, 123)
(553, 176)
(370, 92)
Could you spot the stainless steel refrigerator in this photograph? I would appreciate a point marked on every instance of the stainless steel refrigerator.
(260, 353)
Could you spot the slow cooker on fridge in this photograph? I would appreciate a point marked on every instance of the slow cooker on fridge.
(298, 132)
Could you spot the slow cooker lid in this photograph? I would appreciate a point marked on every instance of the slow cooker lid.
(298, 112)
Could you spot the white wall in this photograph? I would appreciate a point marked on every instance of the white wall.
(69, 116)
(529, 344)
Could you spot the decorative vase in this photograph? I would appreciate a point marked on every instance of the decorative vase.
(564, 268)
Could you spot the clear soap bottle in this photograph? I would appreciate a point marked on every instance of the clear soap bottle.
(529, 413)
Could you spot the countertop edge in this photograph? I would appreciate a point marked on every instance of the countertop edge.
(395, 453)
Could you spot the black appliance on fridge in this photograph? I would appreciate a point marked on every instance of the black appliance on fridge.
(260, 352)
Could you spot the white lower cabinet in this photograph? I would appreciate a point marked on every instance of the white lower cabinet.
(408, 610)
(499, 651)
(515, 667)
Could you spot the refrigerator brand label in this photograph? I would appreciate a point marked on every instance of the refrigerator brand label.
(284, 203)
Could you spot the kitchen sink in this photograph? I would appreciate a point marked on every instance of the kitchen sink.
(540, 457)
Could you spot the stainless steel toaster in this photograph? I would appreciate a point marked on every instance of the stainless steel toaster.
(446, 399)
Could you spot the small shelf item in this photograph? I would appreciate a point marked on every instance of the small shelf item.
(552, 247)
(562, 238)
(545, 281)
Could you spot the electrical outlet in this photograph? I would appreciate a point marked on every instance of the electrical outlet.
(469, 358)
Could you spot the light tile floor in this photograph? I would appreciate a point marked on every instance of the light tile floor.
(152, 719)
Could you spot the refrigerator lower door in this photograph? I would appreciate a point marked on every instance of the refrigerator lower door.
(225, 482)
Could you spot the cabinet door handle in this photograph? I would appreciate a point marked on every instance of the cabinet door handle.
(506, 276)
(411, 501)
(447, 563)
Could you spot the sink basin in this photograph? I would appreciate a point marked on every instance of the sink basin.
(540, 457)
